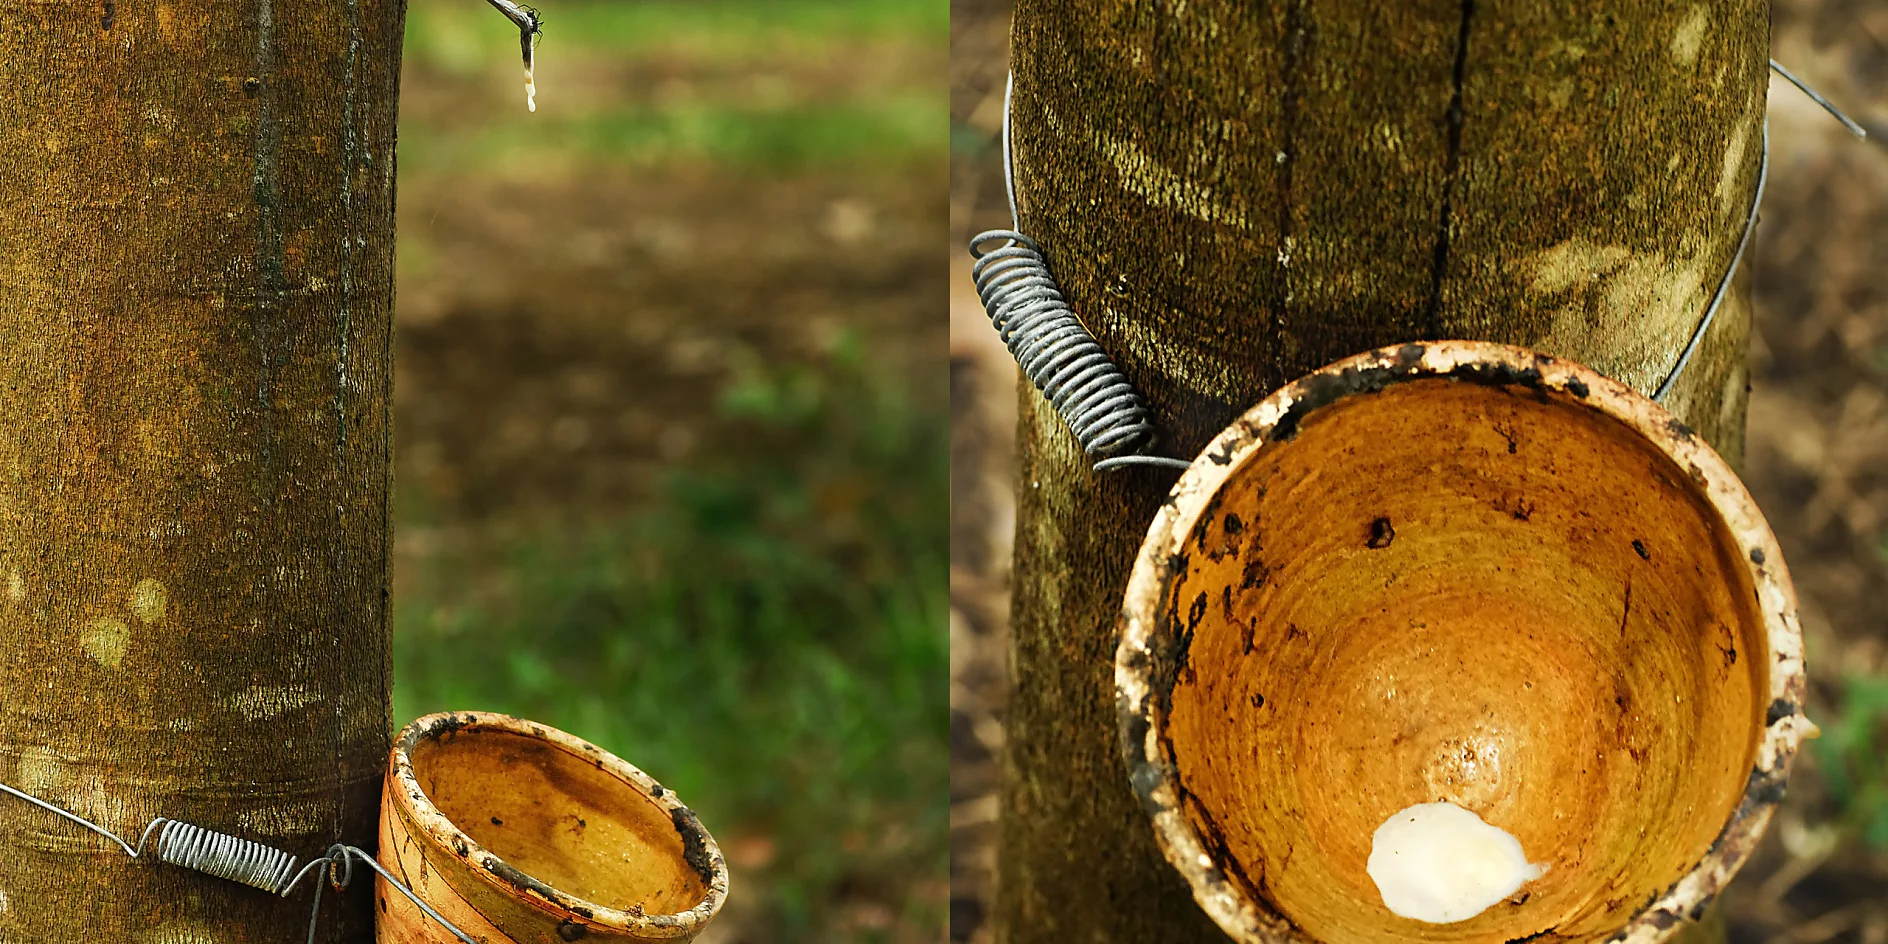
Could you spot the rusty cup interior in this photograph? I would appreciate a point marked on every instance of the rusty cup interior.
(1459, 572)
(528, 805)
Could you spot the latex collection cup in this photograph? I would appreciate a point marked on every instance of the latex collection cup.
(1468, 574)
(518, 832)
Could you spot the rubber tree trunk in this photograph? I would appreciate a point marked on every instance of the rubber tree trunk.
(1233, 195)
(196, 222)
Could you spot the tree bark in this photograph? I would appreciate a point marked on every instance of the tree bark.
(196, 250)
(1233, 195)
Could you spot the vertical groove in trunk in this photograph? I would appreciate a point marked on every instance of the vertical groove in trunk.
(196, 222)
(1233, 196)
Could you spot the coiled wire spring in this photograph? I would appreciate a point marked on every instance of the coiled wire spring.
(1082, 384)
(224, 856)
(245, 861)
(1051, 345)
(1058, 354)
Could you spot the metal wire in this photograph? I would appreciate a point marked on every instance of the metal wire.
(1724, 284)
(245, 861)
(1060, 356)
(220, 854)
(1052, 346)
(1750, 225)
(1847, 122)
(346, 856)
(1057, 353)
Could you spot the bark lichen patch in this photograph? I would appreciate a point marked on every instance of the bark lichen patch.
(1559, 94)
(289, 818)
(183, 934)
(167, 22)
(1688, 39)
(149, 600)
(1142, 175)
(1730, 197)
(16, 587)
(262, 702)
(1646, 295)
(105, 639)
(41, 774)
(1574, 262)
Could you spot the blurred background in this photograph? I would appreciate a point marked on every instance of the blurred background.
(670, 467)
(1817, 463)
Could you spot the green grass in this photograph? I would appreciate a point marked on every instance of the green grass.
(785, 139)
(768, 636)
(1851, 755)
(466, 36)
(768, 639)
(762, 84)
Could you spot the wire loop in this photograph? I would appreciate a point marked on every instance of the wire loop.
(1051, 345)
(219, 854)
(1064, 361)
(245, 861)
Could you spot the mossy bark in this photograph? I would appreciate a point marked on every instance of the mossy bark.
(1233, 195)
(196, 251)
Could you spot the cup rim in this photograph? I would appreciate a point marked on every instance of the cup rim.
(1141, 717)
(705, 858)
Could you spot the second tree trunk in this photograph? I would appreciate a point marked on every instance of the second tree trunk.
(1234, 195)
(196, 219)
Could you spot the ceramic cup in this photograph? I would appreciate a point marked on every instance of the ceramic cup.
(518, 832)
(1459, 573)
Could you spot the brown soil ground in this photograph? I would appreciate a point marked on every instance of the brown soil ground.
(1817, 458)
(565, 338)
